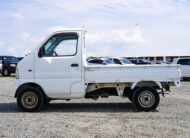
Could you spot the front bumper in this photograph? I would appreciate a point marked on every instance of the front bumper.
(12, 69)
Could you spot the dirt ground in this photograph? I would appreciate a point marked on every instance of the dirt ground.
(108, 118)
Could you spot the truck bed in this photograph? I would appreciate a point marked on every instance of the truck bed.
(131, 73)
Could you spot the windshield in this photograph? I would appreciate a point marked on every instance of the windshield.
(108, 61)
(125, 61)
(11, 59)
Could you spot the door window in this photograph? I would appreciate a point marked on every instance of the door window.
(66, 47)
(61, 45)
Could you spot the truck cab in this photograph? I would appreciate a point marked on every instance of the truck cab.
(57, 70)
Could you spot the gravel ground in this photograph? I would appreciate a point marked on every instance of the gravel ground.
(109, 118)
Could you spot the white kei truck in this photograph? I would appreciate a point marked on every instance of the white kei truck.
(57, 70)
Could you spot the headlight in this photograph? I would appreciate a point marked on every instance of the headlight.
(12, 65)
(17, 74)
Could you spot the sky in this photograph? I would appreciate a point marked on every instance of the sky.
(115, 28)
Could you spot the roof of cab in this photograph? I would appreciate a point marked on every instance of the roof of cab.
(68, 30)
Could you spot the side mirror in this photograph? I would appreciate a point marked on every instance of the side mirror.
(41, 51)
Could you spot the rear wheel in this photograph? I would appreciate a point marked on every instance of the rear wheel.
(146, 99)
(30, 99)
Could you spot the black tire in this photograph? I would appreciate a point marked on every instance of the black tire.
(146, 99)
(130, 96)
(47, 101)
(33, 96)
(6, 72)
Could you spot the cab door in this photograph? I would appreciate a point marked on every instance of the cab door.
(58, 67)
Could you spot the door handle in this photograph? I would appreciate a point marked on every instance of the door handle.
(74, 65)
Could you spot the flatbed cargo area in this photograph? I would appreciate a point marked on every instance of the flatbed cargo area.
(132, 73)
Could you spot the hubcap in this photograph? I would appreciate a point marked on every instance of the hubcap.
(146, 99)
(29, 100)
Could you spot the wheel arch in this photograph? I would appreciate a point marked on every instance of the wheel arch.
(27, 85)
(147, 83)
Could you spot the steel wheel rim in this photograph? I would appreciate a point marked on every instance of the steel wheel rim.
(29, 100)
(146, 99)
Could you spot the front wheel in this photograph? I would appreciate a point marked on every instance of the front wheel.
(146, 99)
(6, 72)
(30, 99)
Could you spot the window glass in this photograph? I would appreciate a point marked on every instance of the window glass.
(117, 61)
(125, 61)
(92, 61)
(97, 61)
(134, 61)
(188, 62)
(49, 43)
(100, 62)
(61, 45)
(10, 59)
(66, 47)
(182, 62)
(141, 62)
(108, 61)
